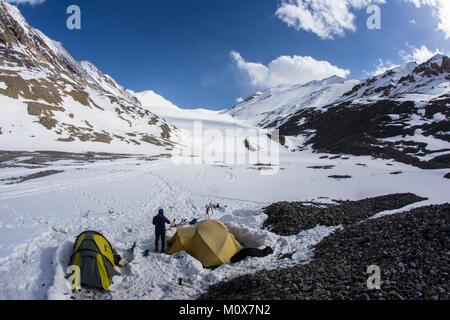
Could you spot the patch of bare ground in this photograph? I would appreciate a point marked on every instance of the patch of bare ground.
(322, 167)
(340, 177)
(37, 175)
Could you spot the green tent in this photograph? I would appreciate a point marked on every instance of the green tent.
(93, 254)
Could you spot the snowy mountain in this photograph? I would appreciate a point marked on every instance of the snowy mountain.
(274, 106)
(402, 114)
(408, 82)
(50, 100)
(150, 99)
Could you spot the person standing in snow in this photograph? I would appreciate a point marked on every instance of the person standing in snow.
(160, 229)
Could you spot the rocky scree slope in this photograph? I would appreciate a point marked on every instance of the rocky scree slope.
(410, 248)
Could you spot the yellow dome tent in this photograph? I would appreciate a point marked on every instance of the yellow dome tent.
(209, 241)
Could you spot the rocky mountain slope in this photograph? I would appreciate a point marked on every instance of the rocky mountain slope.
(49, 100)
(402, 114)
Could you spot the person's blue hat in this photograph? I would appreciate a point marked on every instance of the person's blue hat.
(161, 211)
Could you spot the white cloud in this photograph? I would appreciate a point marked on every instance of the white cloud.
(381, 68)
(441, 9)
(32, 2)
(412, 21)
(286, 69)
(326, 18)
(419, 55)
(330, 18)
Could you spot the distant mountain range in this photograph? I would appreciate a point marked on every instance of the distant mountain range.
(402, 114)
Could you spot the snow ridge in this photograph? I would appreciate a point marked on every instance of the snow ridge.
(274, 106)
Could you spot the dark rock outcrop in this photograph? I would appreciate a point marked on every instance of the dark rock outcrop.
(410, 249)
(289, 218)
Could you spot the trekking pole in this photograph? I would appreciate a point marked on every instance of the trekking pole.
(172, 224)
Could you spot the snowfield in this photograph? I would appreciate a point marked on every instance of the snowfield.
(41, 217)
(155, 155)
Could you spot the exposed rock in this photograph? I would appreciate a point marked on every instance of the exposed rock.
(289, 218)
(359, 129)
(339, 177)
(411, 250)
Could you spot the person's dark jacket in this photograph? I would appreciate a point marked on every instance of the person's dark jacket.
(160, 223)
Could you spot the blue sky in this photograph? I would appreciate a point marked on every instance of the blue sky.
(208, 53)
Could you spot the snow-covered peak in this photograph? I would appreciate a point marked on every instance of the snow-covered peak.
(151, 99)
(273, 106)
(17, 34)
(439, 64)
(31, 42)
(66, 104)
(409, 81)
(438, 58)
(400, 71)
(331, 80)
